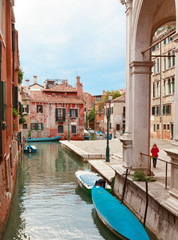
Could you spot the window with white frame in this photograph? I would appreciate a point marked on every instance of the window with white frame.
(164, 87)
(73, 113)
(173, 85)
(169, 86)
(74, 129)
(157, 65)
(165, 63)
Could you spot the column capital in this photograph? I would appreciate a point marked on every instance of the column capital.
(141, 67)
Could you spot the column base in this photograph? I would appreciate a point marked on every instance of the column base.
(172, 202)
(127, 150)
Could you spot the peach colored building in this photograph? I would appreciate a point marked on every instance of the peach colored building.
(99, 112)
(9, 145)
(57, 111)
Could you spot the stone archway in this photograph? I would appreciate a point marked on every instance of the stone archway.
(144, 17)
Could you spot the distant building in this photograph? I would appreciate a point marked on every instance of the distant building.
(56, 111)
(99, 112)
(162, 87)
(88, 105)
(117, 116)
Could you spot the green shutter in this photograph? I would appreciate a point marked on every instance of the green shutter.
(27, 108)
(41, 108)
(42, 126)
(3, 102)
(70, 112)
(56, 115)
(36, 126)
(64, 114)
(31, 126)
(21, 109)
(37, 108)
(76, 112)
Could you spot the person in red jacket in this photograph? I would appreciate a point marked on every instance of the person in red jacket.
(154, 152)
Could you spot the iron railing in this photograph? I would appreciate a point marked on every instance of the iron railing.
(162, 160)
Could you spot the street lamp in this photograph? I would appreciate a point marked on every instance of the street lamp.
(107, 145)
(68, 127)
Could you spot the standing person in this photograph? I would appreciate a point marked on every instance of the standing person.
(154, 152)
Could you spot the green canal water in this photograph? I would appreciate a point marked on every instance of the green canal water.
(48, 204)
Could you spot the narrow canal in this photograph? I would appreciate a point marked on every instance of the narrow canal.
(48, 204)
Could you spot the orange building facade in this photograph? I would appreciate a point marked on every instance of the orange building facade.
(9, 66)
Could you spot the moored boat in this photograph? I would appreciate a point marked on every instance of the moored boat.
(88, 179)
(118, 218)
(48, 139)
(30, 149)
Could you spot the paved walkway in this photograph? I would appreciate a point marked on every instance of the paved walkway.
(96, 149)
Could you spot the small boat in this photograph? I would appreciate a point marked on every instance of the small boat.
(88, 179)
(86, 135)
(99, 133)
(30, 149)
(118, 218)
(43, 139)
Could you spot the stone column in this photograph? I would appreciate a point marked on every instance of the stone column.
(175, 38)
(126, 139)
(172, 201)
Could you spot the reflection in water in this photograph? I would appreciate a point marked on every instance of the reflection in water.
(48, 204)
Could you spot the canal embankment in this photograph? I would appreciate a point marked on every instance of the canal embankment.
(160, 218)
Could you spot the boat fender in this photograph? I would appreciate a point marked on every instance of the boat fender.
(101, 182)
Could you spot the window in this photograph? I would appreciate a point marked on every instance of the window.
(36, 126)
(167, 109)
(3, 100)
(25, 108)
(168, 127)
(169, 60)
(73, 113)
(164, 42)
(153, 90)
(74, 129)
(154, 68)
(99, 115)
(153, 110)
(158, 65)
(169, 39)
(173, 85)
(40, 108)
(154, 128)
(164, 63)
(164, 87)
(98, 99)
(169, 86)
(157, 126)
(24, 126)
(164, 126)
(123, 112)
(157, 110)
(118, 128)
(158, 90)
(173, 60)
(60, 114)
(60, 129)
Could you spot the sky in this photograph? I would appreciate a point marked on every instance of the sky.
(63, 39)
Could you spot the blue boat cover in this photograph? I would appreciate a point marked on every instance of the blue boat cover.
(89, 179)
(117, 216)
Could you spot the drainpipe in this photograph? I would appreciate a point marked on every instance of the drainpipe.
(0, 106)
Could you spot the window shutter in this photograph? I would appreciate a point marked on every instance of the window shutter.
(31, 126)
(15, 99)
(153, 110)
(21, 109)
(76, 112)
(70, 112)
(3, 101)
(56, 115)
(64, 114)
(164, 110)
(41, 108)
(37, 108)
(36, 126)
(27, 108)
(42, 127)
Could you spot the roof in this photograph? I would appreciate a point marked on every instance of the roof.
(119, 99)
(36, 84)
(62, 87)
(44, 98)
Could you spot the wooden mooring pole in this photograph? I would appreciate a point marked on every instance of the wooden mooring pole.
(146, 207)
(124, 187)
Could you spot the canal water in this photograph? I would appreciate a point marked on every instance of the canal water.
(48, 204)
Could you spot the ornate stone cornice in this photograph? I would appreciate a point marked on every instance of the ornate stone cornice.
(141, 67)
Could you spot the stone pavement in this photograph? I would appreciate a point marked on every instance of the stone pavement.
(96, 149)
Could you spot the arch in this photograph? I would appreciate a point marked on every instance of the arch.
(148, 16)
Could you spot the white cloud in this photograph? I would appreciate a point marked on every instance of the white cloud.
(70, 34)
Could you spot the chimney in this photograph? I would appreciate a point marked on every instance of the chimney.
(44, 84)
(34, 79)
(65, 82)
(27, 86)
(79, 88)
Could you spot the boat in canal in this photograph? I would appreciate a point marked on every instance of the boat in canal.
(88, 179)
(47, 139)
(118, 218)
(30, 149)
(86, 135)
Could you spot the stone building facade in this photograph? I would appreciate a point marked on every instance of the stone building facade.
(163, 86)
(54, 111)
(9, 124)
(99, 112)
